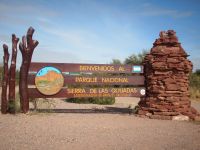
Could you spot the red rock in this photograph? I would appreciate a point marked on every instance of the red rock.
(173, 60)
(197, 118)
(160, 117)
(160, 65)
(142, 112)
(172, 87)
(167, 79)
(163, 72)
(193, 110)
(166, 113)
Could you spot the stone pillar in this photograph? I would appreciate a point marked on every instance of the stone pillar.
(167, 71)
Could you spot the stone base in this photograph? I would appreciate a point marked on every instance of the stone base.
(166, 71)
(191, 113)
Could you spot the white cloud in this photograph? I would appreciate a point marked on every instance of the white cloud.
(96, 47)
(13, 13)
(5, 38)
(148, 9)
(196, 63)
(12, 8)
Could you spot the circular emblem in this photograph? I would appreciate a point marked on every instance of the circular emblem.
(49, 80)
(142, 91)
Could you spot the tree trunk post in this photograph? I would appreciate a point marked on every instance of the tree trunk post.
(26, 47)
(12, 75)
(4, 101)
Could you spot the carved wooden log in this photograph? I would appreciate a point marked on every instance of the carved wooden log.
(4, 102)
(11, 97)
(26, 47)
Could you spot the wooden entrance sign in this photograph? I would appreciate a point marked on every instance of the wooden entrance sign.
(57, 80)
(65, 80)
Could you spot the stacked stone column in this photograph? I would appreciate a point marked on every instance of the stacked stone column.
(167, 80)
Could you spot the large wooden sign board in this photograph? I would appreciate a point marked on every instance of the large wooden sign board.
(49, 80)
(58, 80)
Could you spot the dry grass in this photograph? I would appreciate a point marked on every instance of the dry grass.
(194, 94)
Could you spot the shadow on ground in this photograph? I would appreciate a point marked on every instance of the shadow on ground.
(110, 110)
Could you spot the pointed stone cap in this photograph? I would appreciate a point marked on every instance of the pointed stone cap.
(168, 44)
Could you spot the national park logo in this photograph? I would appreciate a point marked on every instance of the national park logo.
(49, 80)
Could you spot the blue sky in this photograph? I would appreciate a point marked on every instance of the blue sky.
(97, 31)
(45, 70)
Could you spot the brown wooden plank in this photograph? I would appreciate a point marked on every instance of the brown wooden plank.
(90, 92)
(97, 80)
(71, 67)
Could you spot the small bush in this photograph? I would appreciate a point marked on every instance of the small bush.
(195, 86)
(14, 106)
(93, 100)
(194, 93)
(43, 103)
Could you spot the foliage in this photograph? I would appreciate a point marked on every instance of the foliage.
(14, 106)
(93, 100)
(194, 93)
(197, 72)
(136, 59)
(43, 103)
(116, 62)
(195, 85)
(195, 80)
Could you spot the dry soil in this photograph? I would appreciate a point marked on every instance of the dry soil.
(95, 131)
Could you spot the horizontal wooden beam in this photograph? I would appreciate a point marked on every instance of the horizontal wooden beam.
(97, 68)
(90, 92)
(97, 80)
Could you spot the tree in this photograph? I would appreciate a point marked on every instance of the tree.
(116, 62)
(197, 72)
(136, 59)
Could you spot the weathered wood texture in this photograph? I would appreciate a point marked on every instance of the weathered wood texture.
(89, 92)
(98, 68)
(4, 100)
(26, 47)
(12, 74)
(97, 80)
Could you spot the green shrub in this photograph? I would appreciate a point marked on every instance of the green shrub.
(93, 100)
(14, 106)
(195, 80)
(194, 93)
(195, 85)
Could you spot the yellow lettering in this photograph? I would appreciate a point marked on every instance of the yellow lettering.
(96, 68)
(85, 79)
(93, 90)
(124, 90)
(76, 91)
(103, 90)
(111, 80)
(121, 69)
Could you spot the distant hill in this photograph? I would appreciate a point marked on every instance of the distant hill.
(50, 76)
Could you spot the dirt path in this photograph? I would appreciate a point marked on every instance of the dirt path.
(91, 131)
(95, 131)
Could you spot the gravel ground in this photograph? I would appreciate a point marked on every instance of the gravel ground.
(99, 131)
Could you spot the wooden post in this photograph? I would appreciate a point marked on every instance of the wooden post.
(4, 102)
(11, 106)
(26, 47)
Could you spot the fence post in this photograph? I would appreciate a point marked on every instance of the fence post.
(12, 75)
(26, 47)
(4, 100)
(166, 71)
